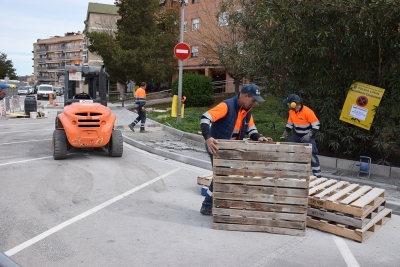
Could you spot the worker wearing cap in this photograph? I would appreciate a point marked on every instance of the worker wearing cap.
(140, 103)
(231, 119)
(305, 125)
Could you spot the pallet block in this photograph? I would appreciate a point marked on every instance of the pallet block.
(343, 197)
(359, 235)
(205, 180)
(261, 187)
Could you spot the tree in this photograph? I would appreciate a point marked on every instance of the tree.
(6, 67)
(142, 48)
(318, 50)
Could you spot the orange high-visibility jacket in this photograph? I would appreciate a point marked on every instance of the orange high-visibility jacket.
(303, 122)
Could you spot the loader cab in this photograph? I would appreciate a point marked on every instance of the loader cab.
(96, 79)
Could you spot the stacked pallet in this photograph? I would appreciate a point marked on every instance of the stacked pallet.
(344, 209)
(261, 187)
(204, 180)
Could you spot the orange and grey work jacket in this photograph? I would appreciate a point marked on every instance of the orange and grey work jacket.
(303, 122)
(229, 121)
(140, 97)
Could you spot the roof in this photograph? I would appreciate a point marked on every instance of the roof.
(102, 9)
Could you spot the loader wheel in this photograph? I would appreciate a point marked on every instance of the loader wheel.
(115, 146)
(60, 144)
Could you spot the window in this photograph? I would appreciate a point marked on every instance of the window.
(195, 24)
(239, 47)
(238, 16)
(194, 51)
(195, 1)
(223, 49)
(185, 26)
(223, 19)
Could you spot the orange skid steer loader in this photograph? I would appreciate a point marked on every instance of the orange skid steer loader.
(86, 121)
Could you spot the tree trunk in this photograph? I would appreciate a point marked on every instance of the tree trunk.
(237, 81)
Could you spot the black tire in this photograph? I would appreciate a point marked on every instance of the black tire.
(116, 144)
(60, 144)
(39, 98)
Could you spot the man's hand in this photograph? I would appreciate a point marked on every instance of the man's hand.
(285, 135)
(212, 145)
(306, 138)
(265, 139)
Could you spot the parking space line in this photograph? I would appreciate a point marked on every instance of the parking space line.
(22, 161)
(83, 215)
(345, 251)
(19, 142)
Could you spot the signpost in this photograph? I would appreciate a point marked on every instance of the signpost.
(182, 52)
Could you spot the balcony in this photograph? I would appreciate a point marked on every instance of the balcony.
(42, 77)
(41, 50)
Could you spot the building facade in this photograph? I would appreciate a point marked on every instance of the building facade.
(50, 56)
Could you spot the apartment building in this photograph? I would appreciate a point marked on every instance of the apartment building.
(51, 55)
(99, 18)
(205, 31)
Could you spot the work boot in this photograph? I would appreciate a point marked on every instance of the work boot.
(206, 211)
(131, 127)
(142, 130)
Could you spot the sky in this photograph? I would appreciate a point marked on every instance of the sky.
(22, 22)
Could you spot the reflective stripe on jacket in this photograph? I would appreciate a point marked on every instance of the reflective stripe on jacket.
(303, 122)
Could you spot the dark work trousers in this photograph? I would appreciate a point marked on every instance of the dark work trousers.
(315, 167)
(141, 117)
(208, 199)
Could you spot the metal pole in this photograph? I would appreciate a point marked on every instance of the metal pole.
(178, 119)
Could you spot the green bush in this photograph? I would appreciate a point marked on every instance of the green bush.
(198, 90)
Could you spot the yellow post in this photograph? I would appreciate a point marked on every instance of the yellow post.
(174, 107)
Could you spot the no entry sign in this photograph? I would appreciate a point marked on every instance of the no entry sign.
(182, 51)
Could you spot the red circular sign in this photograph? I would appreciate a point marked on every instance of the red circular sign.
(362, 101)
(182, 51)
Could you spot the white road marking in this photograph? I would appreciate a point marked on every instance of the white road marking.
(345, 251)
(25, 131)
(22, 124)
(59, 227)
(19, 142)
(23, 161)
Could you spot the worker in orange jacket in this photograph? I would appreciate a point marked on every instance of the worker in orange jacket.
(231, 119)
(305, 125)
(140, 103)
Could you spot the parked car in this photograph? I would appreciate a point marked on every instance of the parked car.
(30, 88)
(44, 90)
(60, 90)
(23, 90)
(2, 93)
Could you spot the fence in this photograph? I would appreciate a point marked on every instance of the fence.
(11, 104)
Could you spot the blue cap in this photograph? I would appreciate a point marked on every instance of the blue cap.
(252, 90)
(292, 98)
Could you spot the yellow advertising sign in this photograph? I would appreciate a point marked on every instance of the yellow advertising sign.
(360, 103)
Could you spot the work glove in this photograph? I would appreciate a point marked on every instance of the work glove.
(306, 138)
(285, 135)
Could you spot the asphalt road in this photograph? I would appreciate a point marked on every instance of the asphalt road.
(139, 210)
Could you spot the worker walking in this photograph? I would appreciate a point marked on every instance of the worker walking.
(140, 103)
(231, 119)
(305, 125)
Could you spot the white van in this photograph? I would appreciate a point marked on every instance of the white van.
(44, 90)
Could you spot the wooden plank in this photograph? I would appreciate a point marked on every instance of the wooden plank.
(264, 156)
(342, 192)
(374, 195)
(221, 203)
(331, 188)
(250, 189)
(257, 146)
(260, 173)
(355, 195)
(260, 214)
(359, 235)
(260, 198)
(258, 228)
(296, 183)
(321, 187)
(259, 221)
(205, 180)
(262, 165)
(317, 181)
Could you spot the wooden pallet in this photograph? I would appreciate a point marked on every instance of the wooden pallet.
(261, 187)
(205, 180)
(359, 235)
(350, 199)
